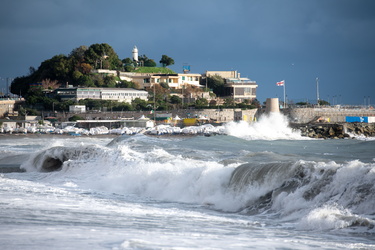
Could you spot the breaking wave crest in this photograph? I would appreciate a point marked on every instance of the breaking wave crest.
(319, 195)
(273, 126)
(53, 159)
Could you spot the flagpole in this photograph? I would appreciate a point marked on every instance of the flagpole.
(284, 95)
(282, 83)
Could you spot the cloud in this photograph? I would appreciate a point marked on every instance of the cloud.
(330, 39)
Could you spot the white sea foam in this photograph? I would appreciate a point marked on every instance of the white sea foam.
(331, 217)
(361, 137)
(273, 126)
(144, 191)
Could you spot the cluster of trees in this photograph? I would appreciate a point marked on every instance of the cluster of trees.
(144, 61)
(76, 69)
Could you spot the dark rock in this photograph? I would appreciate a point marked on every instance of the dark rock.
(336, 131)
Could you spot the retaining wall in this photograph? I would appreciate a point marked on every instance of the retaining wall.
(307, 115)
(218, 115)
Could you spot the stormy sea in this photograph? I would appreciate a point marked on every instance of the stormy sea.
(259, 186)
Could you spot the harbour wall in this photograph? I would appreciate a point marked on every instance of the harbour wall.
(295, 115)
(213, 115)
(325, 114)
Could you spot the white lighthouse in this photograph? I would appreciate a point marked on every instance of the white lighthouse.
(135, 54)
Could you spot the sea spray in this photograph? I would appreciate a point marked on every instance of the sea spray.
(332, 217)
(155, 174)
(272, 126)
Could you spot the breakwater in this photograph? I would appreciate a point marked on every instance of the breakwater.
(335, 130)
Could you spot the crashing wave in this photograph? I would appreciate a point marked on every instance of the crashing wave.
(294, 188)
(52, 159)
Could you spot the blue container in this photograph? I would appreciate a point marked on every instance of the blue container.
(356, 119)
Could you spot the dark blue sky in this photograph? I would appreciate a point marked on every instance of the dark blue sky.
(265, 40)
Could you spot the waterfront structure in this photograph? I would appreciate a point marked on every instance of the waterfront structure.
(236, 87)
(113, 94)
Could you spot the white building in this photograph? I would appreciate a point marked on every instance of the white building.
(123, 94)
(114, 94)
(77, 108)
(174, 81)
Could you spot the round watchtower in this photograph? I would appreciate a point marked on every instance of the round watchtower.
(272, 105)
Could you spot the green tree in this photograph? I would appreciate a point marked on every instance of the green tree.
(128, 64)
(91, 103)
(63, 105)
(109, 81)
(75, 118)
(175, 99)
(76, 75)
(103, 56)
(123, 106)
(216, 83)
(57, 68)
(86, 81)
(78, 54)
(139, 104)
(97, 80)
(166, 61)
(77, 57)
(201, 102)
(302, 103)
(21, 85)
(322, 102)
(146, 61)
(160, 94)
(164, 85)
(127, 84)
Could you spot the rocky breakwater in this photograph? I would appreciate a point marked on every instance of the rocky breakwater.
(366, 129)
(336, 130)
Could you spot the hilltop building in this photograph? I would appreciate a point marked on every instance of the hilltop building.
(236, 87)
(174, 81)
(144, 80)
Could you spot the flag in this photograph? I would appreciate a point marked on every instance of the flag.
(281, 83)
